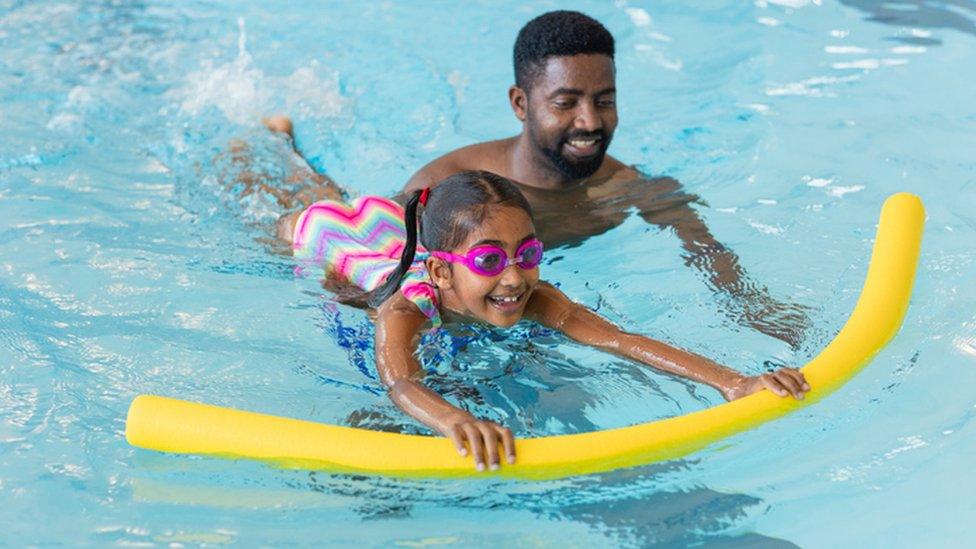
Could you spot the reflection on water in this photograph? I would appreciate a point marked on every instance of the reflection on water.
(635, 507)
(126, 268)
(528, 378)
(957, 15)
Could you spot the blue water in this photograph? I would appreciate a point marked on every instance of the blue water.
(127, 267)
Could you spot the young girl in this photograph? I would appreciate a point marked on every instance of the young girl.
(477, 259)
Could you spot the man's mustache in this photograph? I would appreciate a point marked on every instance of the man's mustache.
(599, 135)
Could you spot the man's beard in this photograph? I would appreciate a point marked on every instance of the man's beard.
(578, 169)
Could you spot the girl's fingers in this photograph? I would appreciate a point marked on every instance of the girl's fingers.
(508, 442)
(771, 383)
(798, 376)
(791, 384)
(477, 447)
(491, 444)
(457, 437)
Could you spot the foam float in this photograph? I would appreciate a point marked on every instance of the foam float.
(171, 425)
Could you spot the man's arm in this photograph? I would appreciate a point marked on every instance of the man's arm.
(750, 303)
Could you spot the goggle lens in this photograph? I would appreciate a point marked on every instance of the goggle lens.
(492, 260)
(489, 262)
(530, 254)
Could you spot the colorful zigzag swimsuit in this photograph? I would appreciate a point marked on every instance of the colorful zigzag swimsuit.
(361, 242)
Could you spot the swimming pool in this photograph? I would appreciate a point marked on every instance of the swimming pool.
(127, 268)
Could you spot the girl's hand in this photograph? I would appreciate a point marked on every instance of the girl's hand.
(483, 438)
(783, 382)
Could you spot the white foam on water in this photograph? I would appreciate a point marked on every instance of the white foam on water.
(793, 3)
(865, 64)
(841, 191)
(810, 87)
(243, 93)
(639, 17)
(908, 443)
(842, 50)
(909, 49)
(817, 181)
(764, 228)
(966, 345)
(659, 58)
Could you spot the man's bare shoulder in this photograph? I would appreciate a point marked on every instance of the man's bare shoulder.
(615, 170)
(490, 155)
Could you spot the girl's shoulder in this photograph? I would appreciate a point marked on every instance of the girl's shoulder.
(400, 305)
(548, 304)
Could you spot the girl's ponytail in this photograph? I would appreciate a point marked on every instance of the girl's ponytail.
(392, 282)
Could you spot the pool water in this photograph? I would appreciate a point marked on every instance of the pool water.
(129, 266)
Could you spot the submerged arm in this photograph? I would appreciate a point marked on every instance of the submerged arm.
(752, 305)
(398, 327)
(552, 308)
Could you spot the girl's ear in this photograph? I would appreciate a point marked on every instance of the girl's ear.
(440, 273)
(519, 101)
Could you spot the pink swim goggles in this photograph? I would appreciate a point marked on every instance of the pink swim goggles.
(491, 260)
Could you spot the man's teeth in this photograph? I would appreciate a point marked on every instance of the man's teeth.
(582, 143)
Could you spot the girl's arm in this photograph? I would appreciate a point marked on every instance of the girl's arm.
(398, 325)
(550, 307)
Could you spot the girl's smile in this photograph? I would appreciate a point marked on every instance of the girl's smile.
(500, 299)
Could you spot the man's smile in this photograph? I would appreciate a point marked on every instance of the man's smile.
(583, 147)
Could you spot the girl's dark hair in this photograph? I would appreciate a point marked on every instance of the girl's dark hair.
(455, 206)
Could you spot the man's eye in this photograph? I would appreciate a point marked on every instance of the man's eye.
(606, 102)
(562, 104)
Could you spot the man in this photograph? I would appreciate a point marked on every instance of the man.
(565, 96)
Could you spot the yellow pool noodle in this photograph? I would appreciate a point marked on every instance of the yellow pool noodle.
(171, 425)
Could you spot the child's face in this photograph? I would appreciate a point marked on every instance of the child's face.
(489, 298)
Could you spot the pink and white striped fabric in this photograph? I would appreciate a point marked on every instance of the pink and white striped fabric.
(361, 242)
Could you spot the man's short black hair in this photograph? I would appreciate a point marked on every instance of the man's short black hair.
(557, 33)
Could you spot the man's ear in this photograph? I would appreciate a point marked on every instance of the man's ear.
(440, 273)
(519, 101)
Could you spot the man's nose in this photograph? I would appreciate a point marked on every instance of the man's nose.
(587, 118)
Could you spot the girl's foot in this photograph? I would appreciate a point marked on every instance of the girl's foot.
(279, 123)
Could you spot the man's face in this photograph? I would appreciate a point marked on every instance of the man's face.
(571, 112)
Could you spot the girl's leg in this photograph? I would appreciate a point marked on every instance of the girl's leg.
(312, 186)
(298, 188)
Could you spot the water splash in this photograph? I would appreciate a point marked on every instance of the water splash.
(243, 93)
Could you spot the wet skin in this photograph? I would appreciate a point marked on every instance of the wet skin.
(468, 297)
(571, 101)
(576, 96)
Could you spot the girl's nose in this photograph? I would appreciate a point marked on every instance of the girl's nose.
(511, 276)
